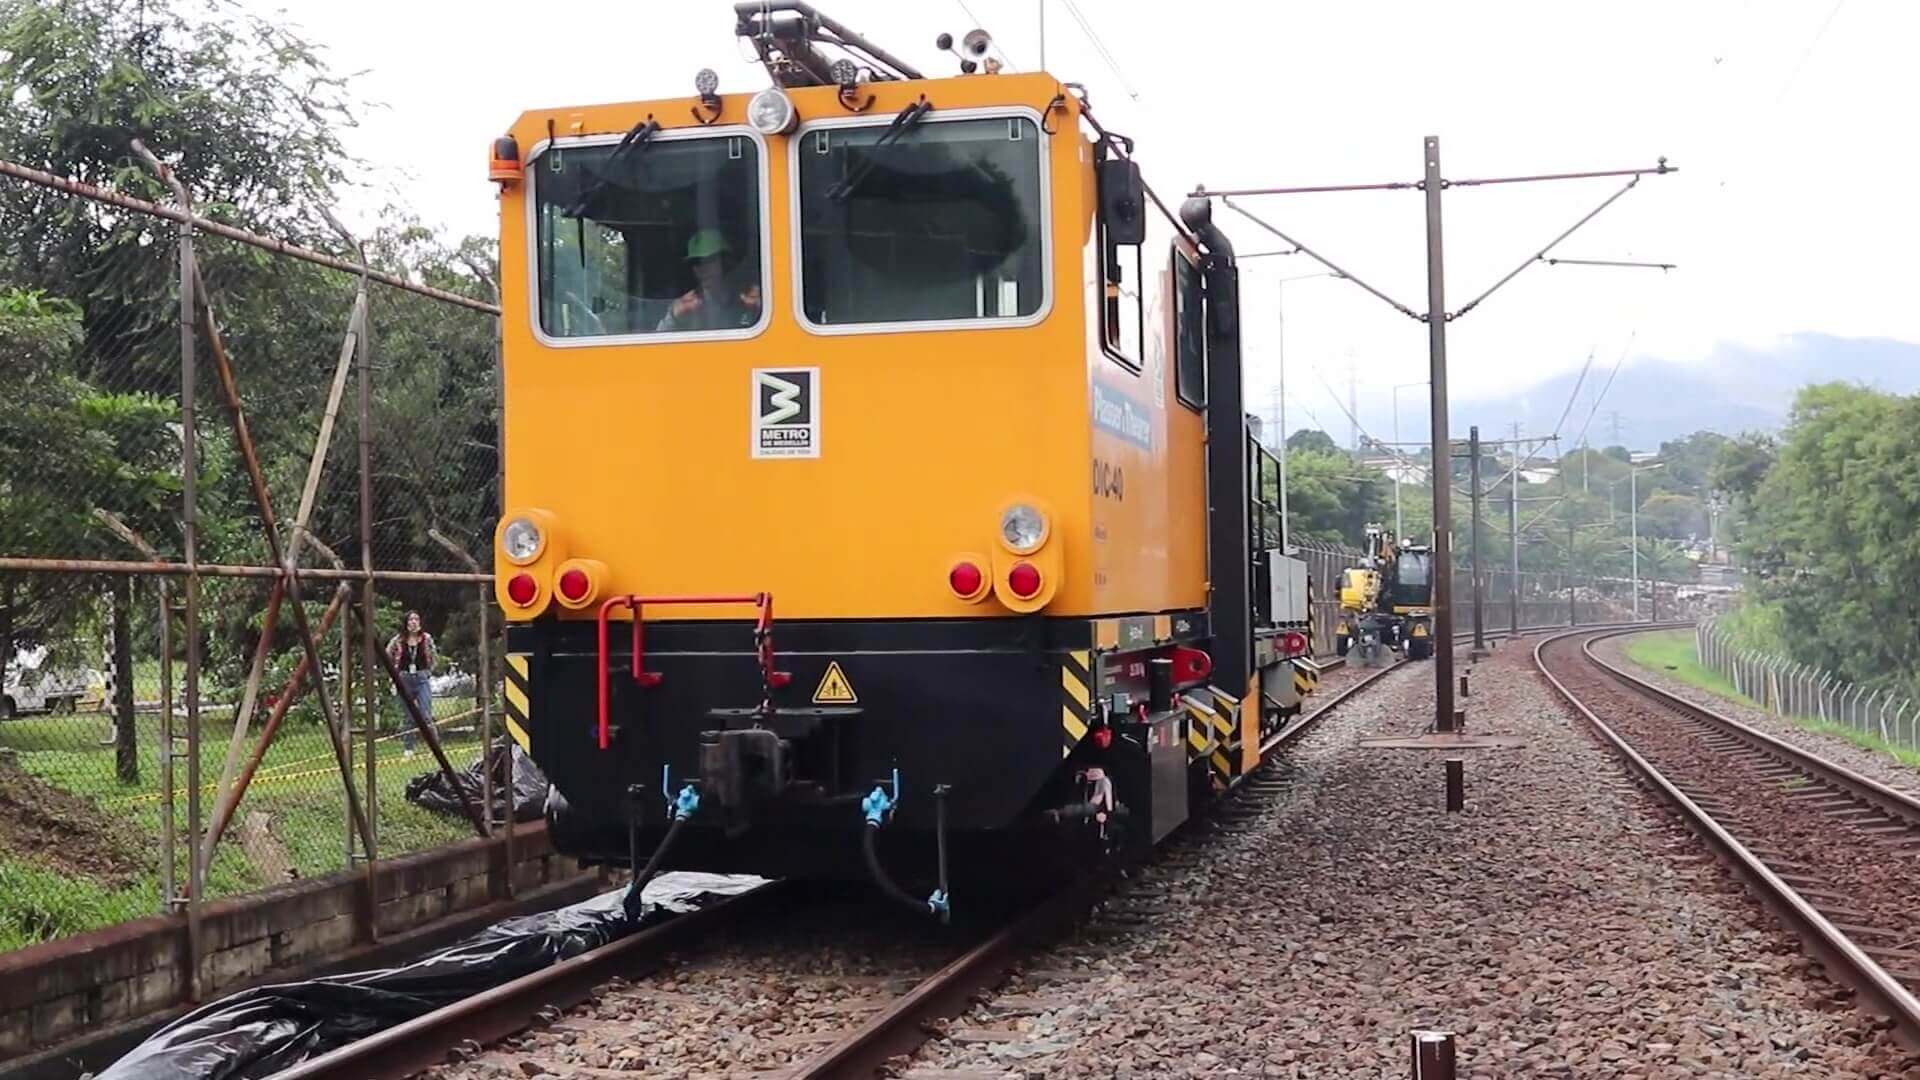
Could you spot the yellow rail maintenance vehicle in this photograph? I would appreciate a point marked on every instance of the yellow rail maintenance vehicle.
(924, 362)
(1386, 604)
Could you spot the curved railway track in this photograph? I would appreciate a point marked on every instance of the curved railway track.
(1829, 851)
(888, 1032)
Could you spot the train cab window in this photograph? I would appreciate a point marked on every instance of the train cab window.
(1121, 316)
(1189, 333)
(943, 222)
(659, 237)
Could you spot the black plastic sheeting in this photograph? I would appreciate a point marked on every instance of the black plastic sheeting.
(432, 790)
(258, 1032)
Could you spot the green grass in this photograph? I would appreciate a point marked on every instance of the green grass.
(37, 905)
(297, 785)
(1671, 652)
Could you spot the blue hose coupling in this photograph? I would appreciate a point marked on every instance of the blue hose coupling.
(937, 904)
(877, 805)
(687, 803)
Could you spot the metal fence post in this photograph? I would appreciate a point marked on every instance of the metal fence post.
(483, 695)
(190, 549)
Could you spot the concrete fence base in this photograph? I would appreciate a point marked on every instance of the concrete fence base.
(65, 1002)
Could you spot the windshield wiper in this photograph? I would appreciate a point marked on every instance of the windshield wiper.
(903, 122)
(635, 141)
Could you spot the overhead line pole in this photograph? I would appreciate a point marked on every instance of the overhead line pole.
(1442, 447)
(1513, 537)
(1473, 472)
(1432, 184)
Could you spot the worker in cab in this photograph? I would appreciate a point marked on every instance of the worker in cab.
(717, 301)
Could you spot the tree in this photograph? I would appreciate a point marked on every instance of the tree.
(248, 117)
(1690, 462)
(1830, 534)
(1742, 464)
(1311, 440)
(1673, 517)
(1331, 498)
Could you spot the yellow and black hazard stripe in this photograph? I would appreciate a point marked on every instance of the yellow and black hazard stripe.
(1204, 730)
(1076, 699)
(1221, 717)
(1306, 676)
(519, 701)
(1313, 647)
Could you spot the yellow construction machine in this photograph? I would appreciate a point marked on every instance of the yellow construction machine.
(1386, 603)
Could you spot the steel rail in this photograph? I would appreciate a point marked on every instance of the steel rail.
(1841, 956)
(1893, 802)
(407, 1048)
(902, 1026)
(423, 1042)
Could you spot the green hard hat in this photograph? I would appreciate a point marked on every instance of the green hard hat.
(705, 243)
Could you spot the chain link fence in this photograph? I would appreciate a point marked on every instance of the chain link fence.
(1787, 688)
(233, 463)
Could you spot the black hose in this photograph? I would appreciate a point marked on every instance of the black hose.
(870, 846)
(642, 876)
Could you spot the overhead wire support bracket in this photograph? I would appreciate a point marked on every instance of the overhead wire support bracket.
(1612, 262)
(1321, 259)
(1541, 255)
(1660, 168)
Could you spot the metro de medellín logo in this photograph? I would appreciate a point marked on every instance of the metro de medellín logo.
(786, 412)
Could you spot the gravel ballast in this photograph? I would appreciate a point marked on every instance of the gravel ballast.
(751, 1003)
(1565, 925)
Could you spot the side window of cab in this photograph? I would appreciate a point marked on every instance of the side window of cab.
(1189, 333)
(1121, 232)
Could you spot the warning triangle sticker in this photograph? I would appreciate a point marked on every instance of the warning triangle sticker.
(834, 689)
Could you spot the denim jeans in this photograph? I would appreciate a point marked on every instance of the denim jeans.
(420, 688)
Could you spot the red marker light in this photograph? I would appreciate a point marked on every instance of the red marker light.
(574, 585)
(521, 589)
(965, 580)
(1024, 580)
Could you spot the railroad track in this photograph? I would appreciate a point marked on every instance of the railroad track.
(1830, 852)
(888, 1031)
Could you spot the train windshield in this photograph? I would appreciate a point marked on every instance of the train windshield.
(942, 222)
(1414, 568)
(655, 236)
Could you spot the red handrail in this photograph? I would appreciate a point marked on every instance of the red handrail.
(762, 633)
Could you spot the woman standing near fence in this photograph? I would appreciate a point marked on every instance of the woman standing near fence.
(413, 654)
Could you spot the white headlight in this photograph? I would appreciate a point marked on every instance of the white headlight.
(522, 540)
(771, 112)
(1022, 528)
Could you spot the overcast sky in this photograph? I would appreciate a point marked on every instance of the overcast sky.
(1794, 210)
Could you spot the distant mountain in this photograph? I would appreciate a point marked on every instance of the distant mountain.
(1738, 388)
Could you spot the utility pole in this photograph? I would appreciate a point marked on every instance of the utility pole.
(1442, 448)
(1513, 536)
(1479, 589)
(1436, 317)
(1633, 517)
(1573, 602)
